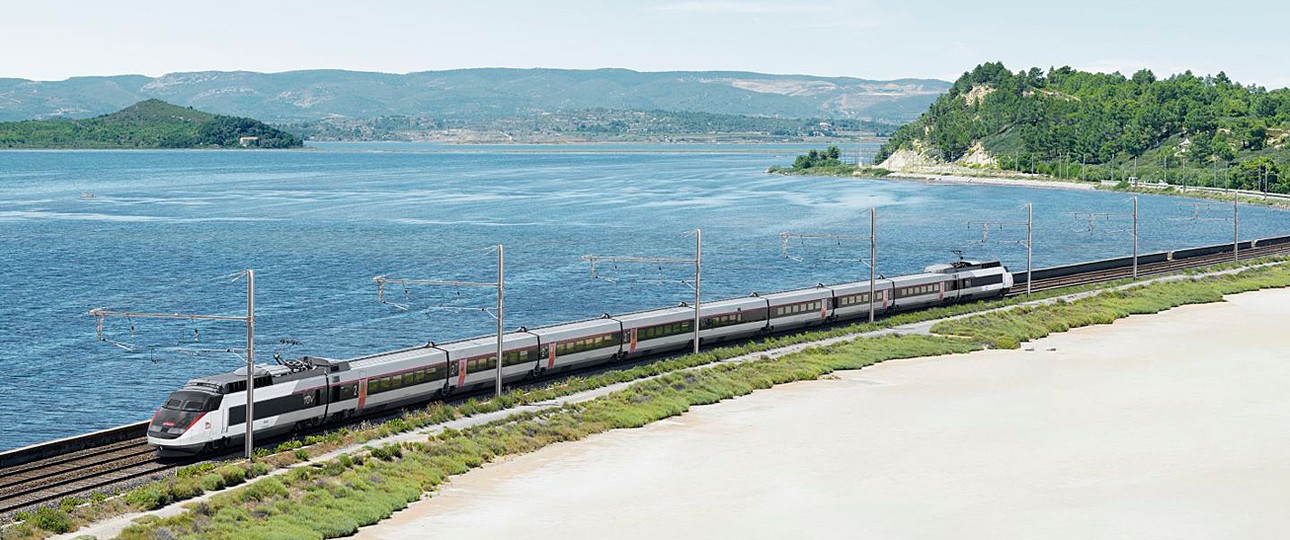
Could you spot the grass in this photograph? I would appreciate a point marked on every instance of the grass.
(1007, 329)
(333, 499)
(998, 330)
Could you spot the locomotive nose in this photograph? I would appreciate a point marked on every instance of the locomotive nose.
(182, 411)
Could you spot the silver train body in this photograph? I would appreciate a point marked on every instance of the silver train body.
(209, 413)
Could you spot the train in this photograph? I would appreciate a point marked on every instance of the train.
(209, 413)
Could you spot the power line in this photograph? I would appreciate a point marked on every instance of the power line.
(500, 285)
(697, 261)
(873, 249)
(1029, 224)
(101, 315)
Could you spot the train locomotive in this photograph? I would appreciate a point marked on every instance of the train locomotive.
(209, 413)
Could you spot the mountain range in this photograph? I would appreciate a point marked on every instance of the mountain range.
(473, 94)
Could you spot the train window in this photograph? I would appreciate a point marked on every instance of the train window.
(481, 364)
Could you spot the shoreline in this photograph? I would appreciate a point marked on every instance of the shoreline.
(958, 179)
(1088, 433)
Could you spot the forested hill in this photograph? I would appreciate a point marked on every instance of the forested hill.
(147, 124)
(1189, 127)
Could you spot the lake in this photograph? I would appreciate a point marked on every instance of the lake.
(167, 231)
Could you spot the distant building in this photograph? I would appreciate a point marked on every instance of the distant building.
(248, 141)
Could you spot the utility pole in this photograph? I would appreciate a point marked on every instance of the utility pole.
(1030, 232)
(102, 314)
(1093, 217)
(697, 261)
(873, 256)
(1135, 237)
(873, 249)
(1236, 224)
(250, 362)
(698, 274)
(1028, 242)
(499, 285)
(501, 296)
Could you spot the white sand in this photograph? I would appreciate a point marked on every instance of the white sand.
(1036, 182)
(1168, 426)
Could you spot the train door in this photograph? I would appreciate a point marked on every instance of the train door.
(362, 394)
(632, 341)
(461, 372)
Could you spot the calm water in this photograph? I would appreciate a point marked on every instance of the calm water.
(165, 230)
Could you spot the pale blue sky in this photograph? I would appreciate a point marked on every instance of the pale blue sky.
(55, 39)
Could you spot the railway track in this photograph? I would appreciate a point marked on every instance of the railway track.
(77, 473)
(1150, 269)
(81, 472)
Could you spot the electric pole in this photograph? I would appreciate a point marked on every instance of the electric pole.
(873, 249)
(499, 285)
(697, 262)
(102, 314)
(1028, 242)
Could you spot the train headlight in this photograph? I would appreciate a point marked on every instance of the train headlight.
(206, 426)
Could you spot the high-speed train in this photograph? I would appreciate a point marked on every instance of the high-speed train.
(209, 413)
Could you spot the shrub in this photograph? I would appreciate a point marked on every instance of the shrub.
(302, 454)
(212, 482)
(148, 497)
(55, 521)
(196, 471)
(185, 488)
(257, 469)
(388, 452)
(70, 503)
(288, 445)
(232, 474)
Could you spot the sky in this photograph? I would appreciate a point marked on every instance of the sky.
(872, 39)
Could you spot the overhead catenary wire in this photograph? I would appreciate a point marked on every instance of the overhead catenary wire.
(697, 261)
(872, 263)
(102, 314)
(1028, 243)
(499, 285)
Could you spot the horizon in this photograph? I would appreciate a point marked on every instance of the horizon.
(608, 68)
(864, 39)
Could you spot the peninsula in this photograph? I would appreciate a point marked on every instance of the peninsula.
(148, 124)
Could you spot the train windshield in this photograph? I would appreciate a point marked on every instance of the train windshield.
(180, 411)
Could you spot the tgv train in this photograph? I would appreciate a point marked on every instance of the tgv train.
(209, 413)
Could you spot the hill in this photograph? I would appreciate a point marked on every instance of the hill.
(591, 125)
(1070, 123)
(472, 94)
(148, 124)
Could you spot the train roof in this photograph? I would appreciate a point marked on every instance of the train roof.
(488, 344)
(410, 353)
(960, 266)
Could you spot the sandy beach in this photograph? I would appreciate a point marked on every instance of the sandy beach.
(936, 178)
(1164, 426)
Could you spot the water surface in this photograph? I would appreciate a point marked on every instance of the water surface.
(165, 230)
